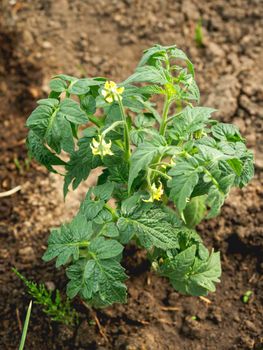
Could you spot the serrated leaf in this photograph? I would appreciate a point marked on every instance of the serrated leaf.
(52, 128)
(151, 228)
(147, 74)
(191, 275)
(184, 179)
(65, 77)
(100, 282)
(155, 51)
(194, 211)
(72, 111)
(64, 243)
(179, 54)
(41, 153)
(88, 104)
(80, 165)
(51, 102)
(58, 85)
(247, 170)
(229, 132)
(141, 158)
(105, 248)
(104, 191)
(190, 120)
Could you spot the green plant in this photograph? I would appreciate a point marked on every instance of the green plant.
(25, 328)
(162, 174)
(199, 34)
(247, 296)
(22, 166)
(56, 308)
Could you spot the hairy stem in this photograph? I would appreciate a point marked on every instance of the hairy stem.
(126, 131)
(165, 116)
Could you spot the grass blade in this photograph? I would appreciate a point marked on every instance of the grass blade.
(24, 333)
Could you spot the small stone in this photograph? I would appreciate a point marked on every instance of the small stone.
(27, 38)
(27, 254)
(46, 45)
(215, 49)
(251, 326)
(50, 286)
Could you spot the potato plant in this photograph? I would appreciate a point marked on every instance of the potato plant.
(161, 174)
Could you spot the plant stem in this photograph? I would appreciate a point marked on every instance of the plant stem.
(112, 211)
(172, 117)
(112, 127)
(165, 115)
(94, 120)
(162, 174)
(126, 130)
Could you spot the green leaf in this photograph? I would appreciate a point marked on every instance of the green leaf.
(191, 120)
(194, 211)
(88, 104)
(141, 158)
(100, 282)
(65, 77)
(110, 230)
(154, 52)
(58, 85)
(147, 74)
(41, 153)
(105, 248)
(64, 243)
(228, 132)
(82, 86)
(248, 169)
(52, 128)
(179, 54)
(80, 165)
(191, 275)
(51, 102)
(104, 191)
(151, 227)
(72, 111)
(184, 179)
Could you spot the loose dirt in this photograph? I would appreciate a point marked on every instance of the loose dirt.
(86, 38)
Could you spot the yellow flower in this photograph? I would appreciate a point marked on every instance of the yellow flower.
(111, 92)
(155, 193)
(101, 148)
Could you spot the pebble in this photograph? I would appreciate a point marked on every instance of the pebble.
(26, 254)
(46, 45)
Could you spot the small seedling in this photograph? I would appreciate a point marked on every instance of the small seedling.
(22, 166)
(247, 296)
(25, 328)
(199, 34)
(163, 172)
(58, 310)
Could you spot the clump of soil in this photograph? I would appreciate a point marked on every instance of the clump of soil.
(43, 38)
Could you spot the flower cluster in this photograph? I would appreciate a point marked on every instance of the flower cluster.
(155, 192)
(101, 147)
(111, 92)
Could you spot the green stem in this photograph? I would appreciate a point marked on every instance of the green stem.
(174, 116)
(114, 125)
(162, 174)
(112, 211)
(162, 163)
(164, 117)
(94, 120)
(212, 178)
(126, 130)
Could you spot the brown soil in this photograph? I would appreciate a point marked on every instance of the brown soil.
(41, 38)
